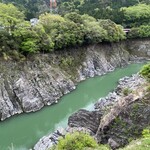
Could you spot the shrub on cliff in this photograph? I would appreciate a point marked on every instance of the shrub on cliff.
(76, 141)
(140, 144)
(145, 72)
(146, 132)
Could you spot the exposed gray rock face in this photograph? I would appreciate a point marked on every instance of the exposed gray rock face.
(113, 144)
(31, 87)
(126, 83)
(84, 118)
(50, 140)
(28, 86)
(8, 102)
(139, 47)
(101, 59)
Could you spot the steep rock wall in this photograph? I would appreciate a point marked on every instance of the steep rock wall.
(42, 79)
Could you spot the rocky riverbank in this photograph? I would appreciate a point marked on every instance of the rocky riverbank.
(125, 113)
(41, 80)
(115, 119)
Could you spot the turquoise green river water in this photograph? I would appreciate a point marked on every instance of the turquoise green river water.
(23, 131)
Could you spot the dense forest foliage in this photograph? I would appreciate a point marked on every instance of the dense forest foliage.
(52, 32)
(99, 9)
(75, 22)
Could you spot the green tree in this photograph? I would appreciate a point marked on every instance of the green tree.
(6, 41)
(10, 17)
(62, 31)
(26, 37)
(144, 31)
(50, 22)
(114, 32)
(94, 33)
(137, 15)
(32, 39)
(45, 41)
(75, 17)
(31, 8)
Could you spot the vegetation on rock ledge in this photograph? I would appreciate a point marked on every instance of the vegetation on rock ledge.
(145, 72)
(78, 141)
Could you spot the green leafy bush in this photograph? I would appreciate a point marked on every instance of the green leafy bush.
(114, 32)
(66, 61)
(94, 33)
(134, 33)
(142, 31)
(76, 141)
(6, 41)
(10, 16)
(45, 42)
(146, 133)
(63, 32)
(136, 15)
(145, 72)
(75, 17)
(26, 38)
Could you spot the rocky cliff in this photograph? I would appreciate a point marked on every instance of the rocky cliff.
(123, 115)
(116, 119)
(43, 78)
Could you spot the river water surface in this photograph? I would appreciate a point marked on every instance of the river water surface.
(23, 131)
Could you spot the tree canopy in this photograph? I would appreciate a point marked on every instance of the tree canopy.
(137, 15)
(78, 22)
(53, 31)
(100, 9)
(10, 16)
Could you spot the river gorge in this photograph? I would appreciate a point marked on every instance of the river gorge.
(24, 130)
(28, 86)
